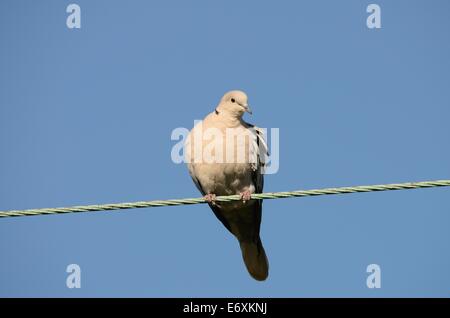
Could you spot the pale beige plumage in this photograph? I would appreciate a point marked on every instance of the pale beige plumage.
(225, 156)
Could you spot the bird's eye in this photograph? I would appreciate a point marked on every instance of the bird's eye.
(233, 100)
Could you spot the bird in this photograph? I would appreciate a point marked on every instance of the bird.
(226, 156)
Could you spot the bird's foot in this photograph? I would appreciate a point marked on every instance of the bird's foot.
(246, 195)
(210, 198)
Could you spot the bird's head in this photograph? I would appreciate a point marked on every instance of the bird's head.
(234, 103)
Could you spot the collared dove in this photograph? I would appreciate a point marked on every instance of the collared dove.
(225, 156)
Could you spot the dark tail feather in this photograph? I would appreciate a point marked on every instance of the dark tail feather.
(255, 259)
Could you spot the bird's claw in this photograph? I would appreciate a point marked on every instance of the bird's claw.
(210, 198)
(246, 196)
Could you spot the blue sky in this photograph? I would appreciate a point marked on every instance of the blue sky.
(86, 117)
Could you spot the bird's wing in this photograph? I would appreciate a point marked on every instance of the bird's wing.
(258, 153)
(258, 174)
(194, 178)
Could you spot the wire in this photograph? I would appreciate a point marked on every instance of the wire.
(256, 196)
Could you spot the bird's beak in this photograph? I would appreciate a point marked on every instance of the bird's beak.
(247, 108)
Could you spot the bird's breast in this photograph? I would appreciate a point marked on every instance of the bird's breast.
(224, 179)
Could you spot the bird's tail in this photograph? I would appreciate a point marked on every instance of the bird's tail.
(255, 259)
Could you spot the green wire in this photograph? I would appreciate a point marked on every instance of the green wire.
(256, 196)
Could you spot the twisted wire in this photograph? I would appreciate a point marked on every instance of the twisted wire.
(256, 196)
